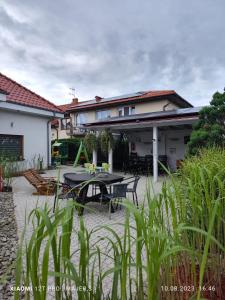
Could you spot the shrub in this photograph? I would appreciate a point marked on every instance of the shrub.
(90, 142)
(106, 141)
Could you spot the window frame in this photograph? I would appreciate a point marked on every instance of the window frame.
(121, 110)
(108, 111)
(84, 116)
(65, 126)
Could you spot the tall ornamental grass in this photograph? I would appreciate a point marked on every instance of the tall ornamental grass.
(172, 247)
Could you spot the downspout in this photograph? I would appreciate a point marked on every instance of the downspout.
(48, 140)
(164, 106)
(57, 133)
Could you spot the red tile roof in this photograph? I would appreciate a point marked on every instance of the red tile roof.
(137, 97)
(16, 93)
(64, 107)
(3, 92)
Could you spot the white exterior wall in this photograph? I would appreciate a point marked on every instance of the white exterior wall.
(171, 143)
(32, 128)
(59, 133)
(62, 134)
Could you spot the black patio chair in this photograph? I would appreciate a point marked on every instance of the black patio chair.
(141, 166)
(163, 162)
(95, 187)
(132, 189)
(133, 165)
(66, 191)
(118, 193)
(149, 164)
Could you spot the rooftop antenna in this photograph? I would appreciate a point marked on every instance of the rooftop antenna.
(72, 93)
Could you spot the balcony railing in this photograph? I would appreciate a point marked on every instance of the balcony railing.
(72, 130)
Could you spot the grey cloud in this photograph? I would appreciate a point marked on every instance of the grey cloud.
(102, 47)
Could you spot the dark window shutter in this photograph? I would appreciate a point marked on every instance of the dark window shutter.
(11, 146)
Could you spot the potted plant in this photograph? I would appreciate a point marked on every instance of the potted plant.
(106, 141)
(90, 142)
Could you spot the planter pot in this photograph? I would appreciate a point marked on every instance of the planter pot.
(7, 189)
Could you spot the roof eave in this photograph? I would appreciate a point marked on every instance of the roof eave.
(59, 111)
(12, 106)
(148, 116)
(177, 96)
(142, 124)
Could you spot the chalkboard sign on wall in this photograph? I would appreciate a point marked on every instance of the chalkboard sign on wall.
(11, 146)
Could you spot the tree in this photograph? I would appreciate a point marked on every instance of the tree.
(210, 129)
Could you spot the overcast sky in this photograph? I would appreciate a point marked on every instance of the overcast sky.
(108, 48)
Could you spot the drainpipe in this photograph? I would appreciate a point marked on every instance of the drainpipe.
(165, 106)
(48, 140)
(49, 121)
(57, 133)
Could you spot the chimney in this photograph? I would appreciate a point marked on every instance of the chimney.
(98, 98)
(75, 101)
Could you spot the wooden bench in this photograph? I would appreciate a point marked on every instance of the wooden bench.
(44, 186)
(42, 178)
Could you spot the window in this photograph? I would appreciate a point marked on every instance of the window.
(120, 110)
(65, 123)
(132, 110)
(81, 119)
(102, 114)
(11, 146)
(126, 111)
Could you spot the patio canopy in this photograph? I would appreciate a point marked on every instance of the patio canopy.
(154, 120)
(162, 118)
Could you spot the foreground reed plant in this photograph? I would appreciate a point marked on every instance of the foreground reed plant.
(195, 201)
(172, 247)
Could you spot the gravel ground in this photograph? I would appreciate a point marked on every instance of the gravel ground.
(8, 244)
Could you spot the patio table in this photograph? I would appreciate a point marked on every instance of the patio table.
(100, 179)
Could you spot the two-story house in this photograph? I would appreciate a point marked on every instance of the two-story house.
(156, 122)
(125, 105)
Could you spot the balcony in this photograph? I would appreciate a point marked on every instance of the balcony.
(73, 131)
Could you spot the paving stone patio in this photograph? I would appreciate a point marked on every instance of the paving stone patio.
(25, 201)
(94, 215)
